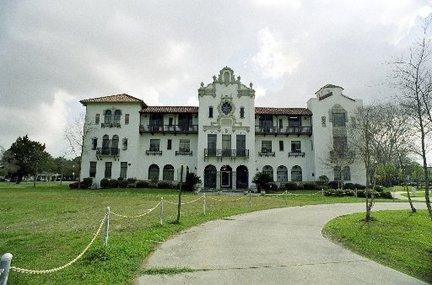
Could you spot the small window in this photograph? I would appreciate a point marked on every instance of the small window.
(125, 143)
(127, 119)
(266, 146)
(210, 114)
(108, 170)
(294, 121)
(108, 117)
(170, 121)
(169, 144)
(97, 119)
(94, 143)
(323, 121)
(184, 146)
(281, 146)
(117, 116)
(154, 144)
(280, 124)
(242, 112)
(123, 170)
(295, 146)
(92, 172)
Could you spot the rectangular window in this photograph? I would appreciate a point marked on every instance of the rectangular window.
(241, 145)
(294, 121)
(127, 119)
(154, 144)
(169, 144)
(108, 170)
(211, 143)
(242, 112)
(210, 114)
(92, 172)
(339, 119)
(170, 121)
(280, 124)
(281, 146)
(226, 145)
(125, 143)
(123, 170)
(94, 143)
(295, 146)
(97, 119)
(184, 146)
(266, 146)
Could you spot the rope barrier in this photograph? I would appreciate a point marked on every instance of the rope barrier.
(52, 270)
(185, 203)
(137, 216)
(221, 200)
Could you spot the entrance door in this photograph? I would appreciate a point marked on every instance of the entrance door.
(226, 177)
(242, 175)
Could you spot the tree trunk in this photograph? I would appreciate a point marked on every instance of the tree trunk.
(425, 167)
(413, 209)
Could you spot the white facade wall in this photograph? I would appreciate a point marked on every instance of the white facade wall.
(224, 88)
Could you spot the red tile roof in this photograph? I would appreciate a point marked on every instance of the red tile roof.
(258, 110)
(170, 109)
(118, 98)
(283, 111)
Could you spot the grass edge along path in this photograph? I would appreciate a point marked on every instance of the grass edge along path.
(395, 238)
(48, 226)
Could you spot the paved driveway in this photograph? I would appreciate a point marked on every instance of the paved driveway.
(278, 246)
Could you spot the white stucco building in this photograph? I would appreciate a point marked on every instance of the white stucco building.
(225, 140)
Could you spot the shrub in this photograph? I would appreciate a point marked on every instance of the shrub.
(73, 185)
(142, 184)
(104, 183)
(359, 186)
(164, 185)
(191, 180)
(261, 179)
(86, 183)
(386, 195)
(310, 186)
(333, 184)
(290, 186)
(123, 184)
(350, 186)
(379, 189)
(271, 187)
(323, 179)
(131, 180)
(113, 183)
(120, 179)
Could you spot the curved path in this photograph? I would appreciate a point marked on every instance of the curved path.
(278, 246)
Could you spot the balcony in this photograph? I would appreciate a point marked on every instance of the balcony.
(182, 152)
(267, 154)
(275, 130)
(111, 125)
(296, 154)
(153, 152)
(233, 153)
(107, 151)
(169, 129)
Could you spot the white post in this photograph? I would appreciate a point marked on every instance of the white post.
(204, 204)
(286, 197)
(107, 224)
(5, 263)
(161, 211)
(250, 199)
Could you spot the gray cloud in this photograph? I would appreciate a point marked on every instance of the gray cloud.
(54, 53)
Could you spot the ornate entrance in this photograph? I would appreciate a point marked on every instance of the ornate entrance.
(210, 177)
(242, 177)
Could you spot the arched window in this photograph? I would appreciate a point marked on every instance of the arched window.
(107, 117)
(168, 173)
(117, 116)
(115, 145)
(337, 173)
(210, 177)
(105, 145)
(242, 177)
(268, 170)
(282, 174)
(153, 173)
(346, 173)
(296, 173)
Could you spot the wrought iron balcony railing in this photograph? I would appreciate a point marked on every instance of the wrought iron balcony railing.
(182, 152)
(275, 130)
(208, 152)
(153, 152)
(266, 153)
(108, 151)
(296, 154)
(173, 129)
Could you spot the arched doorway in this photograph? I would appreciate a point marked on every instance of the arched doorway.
(153, 172)
(210, 177)
(168, 173)
(226, 177)
(242, 177)
(296, 174)
(282, 174)
(268, 170)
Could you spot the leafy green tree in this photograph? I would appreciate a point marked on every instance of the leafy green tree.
(261, 179)
(29, 156)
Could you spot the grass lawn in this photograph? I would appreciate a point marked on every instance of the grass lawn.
(398, 239)
(47, 226)
(417, 194)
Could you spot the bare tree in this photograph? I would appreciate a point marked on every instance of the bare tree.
(75, 134)
(414, 79)
(341, 155)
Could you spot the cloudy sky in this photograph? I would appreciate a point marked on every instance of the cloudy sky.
(54, 53)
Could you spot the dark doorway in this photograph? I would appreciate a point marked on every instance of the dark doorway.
(226, 177)
(210, 177)
(242, 177)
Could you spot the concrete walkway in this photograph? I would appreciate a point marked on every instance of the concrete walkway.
(278, 246)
